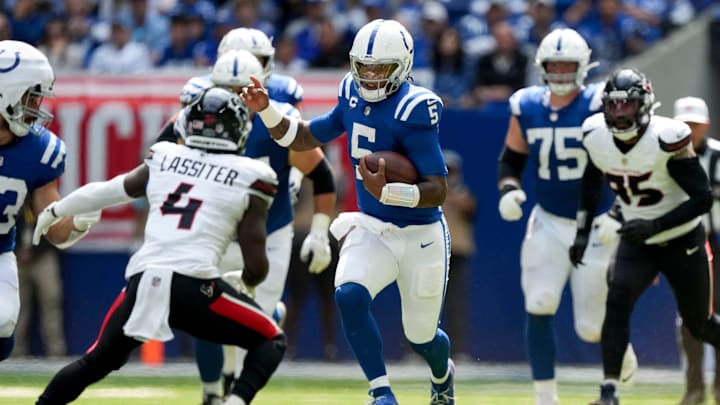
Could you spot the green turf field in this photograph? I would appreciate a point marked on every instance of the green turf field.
(122, 390)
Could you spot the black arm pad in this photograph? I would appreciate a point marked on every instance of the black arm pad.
(511, 164)
(167, 133)
(691, 177)
(590, 194)
(322, 178)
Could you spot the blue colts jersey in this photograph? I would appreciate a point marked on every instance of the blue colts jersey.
(25, 165)
(406, 122)
(284, 89)
(557, 157)
(261, 146)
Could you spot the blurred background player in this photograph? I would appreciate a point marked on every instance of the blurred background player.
(545, 127)
(33, 159)
(232, 70)
(41, 291)
(650, 164)
(459, 209)
(400, 235)
(694, 112)
(173, 280)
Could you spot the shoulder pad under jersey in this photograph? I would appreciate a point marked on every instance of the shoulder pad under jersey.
(418, 106)
(592, 123)
(673, 135)
(53, 148)
(263, 180)
(285, 89)
(528, 96)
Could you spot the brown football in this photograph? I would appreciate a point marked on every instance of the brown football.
(398, 168)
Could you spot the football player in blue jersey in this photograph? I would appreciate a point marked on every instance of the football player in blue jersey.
(400, 235)
(546, 129)
(31, 161)
(233, 70)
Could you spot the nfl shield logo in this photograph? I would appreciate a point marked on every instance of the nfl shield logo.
(155, 281)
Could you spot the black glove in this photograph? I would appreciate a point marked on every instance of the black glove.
(636, 231)
(577, 250)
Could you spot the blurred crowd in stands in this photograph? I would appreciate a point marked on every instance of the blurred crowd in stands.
(471, 52)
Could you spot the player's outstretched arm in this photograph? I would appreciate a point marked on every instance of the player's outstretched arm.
(84, 205)
(289, 132)
(252, 237)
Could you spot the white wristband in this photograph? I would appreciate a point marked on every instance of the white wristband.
(400, 194)
(290, 135)
(270, 116)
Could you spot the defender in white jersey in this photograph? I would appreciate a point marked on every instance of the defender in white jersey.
(650, 164)
(201, 195)
(545, 130)
(233, 70)
(32, 159)
(400, 235)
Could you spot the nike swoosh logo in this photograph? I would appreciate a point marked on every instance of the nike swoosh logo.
(628, 377)
(424, 245)
(690, 251)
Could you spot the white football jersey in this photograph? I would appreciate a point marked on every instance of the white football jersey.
(640, 177)
(196, 201)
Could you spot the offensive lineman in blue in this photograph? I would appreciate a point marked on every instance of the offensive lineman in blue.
(400, 234)
(546, 130)
(31, 161)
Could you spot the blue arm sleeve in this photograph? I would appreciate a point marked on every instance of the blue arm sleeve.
(327, 127)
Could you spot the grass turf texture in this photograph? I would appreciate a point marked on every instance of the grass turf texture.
(121, 390)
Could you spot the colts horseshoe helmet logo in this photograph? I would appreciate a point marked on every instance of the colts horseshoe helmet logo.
(13, 65)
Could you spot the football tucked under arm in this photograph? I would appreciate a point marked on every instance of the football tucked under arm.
(398, 168)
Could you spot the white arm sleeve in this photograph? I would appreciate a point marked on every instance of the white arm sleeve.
(93, 196)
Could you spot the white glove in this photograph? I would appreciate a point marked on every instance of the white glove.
(234, 278)
(295, 183)
(607, 228)
(82, 222)
(45, 220)
(317, 243)
(510, 209)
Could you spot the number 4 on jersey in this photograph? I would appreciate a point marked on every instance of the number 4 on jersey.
(187, 213)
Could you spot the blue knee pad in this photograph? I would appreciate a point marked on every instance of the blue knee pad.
(6, 346)
(352, 298)
(435, 353)
(209, 357)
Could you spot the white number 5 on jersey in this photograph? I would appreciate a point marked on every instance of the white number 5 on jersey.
(360, 130)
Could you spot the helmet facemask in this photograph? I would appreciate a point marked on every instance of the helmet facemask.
(622, 116)
(628, 103)
(562, 83)
(376, 80)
